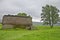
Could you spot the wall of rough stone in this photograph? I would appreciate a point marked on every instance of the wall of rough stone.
(5, 26)
(17, 20)
(11, 21)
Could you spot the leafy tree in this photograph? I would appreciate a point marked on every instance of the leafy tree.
(22, 14)
(49, 15)
(59, 19)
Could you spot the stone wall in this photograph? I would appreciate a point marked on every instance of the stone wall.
(10, 21)
(5, 26)
(17, 20)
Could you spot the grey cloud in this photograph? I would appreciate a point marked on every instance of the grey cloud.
(31, 7)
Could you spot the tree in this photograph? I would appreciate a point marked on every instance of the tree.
(22, 14)
(49, 15)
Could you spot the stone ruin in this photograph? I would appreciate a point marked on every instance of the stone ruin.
(14, 21)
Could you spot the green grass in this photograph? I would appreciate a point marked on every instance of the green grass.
(41, 33)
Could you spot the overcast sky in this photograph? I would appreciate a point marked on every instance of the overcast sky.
(31, 7)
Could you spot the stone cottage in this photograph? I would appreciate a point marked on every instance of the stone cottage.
(14, 21)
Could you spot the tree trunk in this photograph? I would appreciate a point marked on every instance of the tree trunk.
(51, 23)
(51, 26)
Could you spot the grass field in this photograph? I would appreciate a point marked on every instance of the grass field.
(41, 33)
